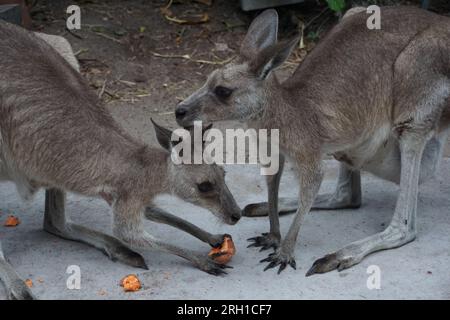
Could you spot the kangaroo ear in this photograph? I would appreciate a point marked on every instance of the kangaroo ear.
(163, 135)
(206, 128)
(261, 34)
(271, 58)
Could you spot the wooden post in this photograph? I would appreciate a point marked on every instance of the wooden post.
(25, 20)
(248, 5)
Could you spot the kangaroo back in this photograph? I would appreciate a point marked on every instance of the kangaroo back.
(51, 124)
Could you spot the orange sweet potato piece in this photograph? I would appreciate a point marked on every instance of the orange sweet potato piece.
(11, 221)
(130, 283)
(224, 252)
(29, 283)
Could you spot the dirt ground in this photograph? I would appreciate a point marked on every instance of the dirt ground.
(418, 270)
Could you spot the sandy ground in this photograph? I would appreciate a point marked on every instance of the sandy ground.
(418, 270)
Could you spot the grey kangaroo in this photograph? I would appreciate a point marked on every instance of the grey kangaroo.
(55, 134)
(378, 100)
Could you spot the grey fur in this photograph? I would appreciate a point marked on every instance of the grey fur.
(374, 99)
(55, 134)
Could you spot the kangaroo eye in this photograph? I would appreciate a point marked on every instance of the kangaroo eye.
(222, 92)
(205, 186)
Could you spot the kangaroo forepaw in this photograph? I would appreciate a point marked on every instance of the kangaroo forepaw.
(19, 291)
(265, 241)
(126, 256)
(217, 240)
(280, 258)
(210, 266)
(331, 262)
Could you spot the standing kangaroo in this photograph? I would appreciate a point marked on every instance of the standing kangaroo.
(378, 100)
(55, 134)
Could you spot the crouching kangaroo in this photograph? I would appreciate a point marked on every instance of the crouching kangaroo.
(378, 100)
(55, 134)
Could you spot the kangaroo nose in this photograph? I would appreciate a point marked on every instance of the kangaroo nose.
(180, 112)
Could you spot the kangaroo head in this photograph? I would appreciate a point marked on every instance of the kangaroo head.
(199, 184)
(238, 90)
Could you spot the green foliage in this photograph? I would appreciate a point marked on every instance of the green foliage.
(336, 5)
(312, 36)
